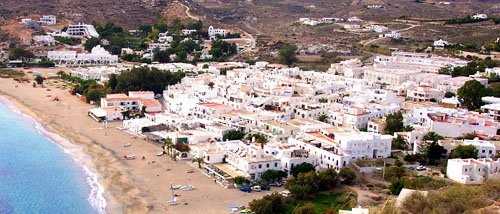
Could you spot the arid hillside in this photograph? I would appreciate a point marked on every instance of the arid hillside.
(128, 13)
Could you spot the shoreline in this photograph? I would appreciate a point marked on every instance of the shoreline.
(81, 159)
(99, 159)
(131, 186)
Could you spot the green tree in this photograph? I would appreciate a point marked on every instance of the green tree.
(147, 79)
(273, 175)
(328, 179)
(465, 152)
(301, 168)
(20, 54)
(347, 175)
(396, 187)
(222, 49)
(211, 85)
(143, 112)
(161, 56)
(394, 123)
(168, 144)
(91, 43)
(399, 143)
(46, 64)
(304, 185)
(125, 114)
(408, 128)
(398, 170)
(468, 136)
(112, 82)
(449, 94)
(470, 94)
(233, 135)
(431, 149)
(161, 27)
(269, 204)
(175, 155)
(181, 56)
(259, 138)
(39, 80)
(240, 180)
(197, 25)
(323, 118)
(432, 136)
(199, 161)
(288, 55)
(305, 209)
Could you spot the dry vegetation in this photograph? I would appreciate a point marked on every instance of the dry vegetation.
(457, 198)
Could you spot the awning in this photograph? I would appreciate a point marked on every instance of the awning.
(98, 112)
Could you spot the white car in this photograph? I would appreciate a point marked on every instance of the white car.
(256, 188)
(286, 193)
(421, 168)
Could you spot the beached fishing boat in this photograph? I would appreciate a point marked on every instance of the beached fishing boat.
(129, 157)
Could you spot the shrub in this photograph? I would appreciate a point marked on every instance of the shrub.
(305, 209)
(182, 147)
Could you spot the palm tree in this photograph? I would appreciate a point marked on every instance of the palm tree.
(174, 155)
(199, 161)
(168, 144)
(323, 118)
(260, 138)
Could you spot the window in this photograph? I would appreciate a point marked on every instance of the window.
(260, 166)
(275, 164)
(267, 165)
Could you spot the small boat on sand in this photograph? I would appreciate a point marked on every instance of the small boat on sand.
(129, 157)
(127, 145)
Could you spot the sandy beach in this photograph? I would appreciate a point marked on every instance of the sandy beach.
(132, 186)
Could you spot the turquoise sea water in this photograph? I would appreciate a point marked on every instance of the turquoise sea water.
(39, 176)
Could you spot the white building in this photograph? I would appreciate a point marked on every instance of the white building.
(424, 93)
(440, 43)
(471, 171)
(252, 160)
(45, 40)
(213, 33)
(98, 55)
(492, 110)
(480, 16)
(82, 30)
(48, 20)
(121, 101)
(393, 34)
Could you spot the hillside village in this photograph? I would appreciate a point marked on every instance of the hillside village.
(404, 125)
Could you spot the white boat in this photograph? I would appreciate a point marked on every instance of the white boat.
(129, 157)
(176, 186)
(160, 154)
(174, 201)
(186, 188)
(127, 145)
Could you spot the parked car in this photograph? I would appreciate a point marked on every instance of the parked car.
(421, 168)
(246, 189)
(256, 188)
(276, 184)
(286, 193)
(265, 187)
